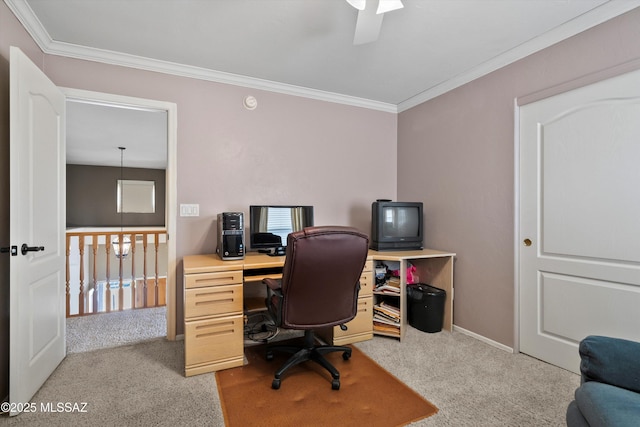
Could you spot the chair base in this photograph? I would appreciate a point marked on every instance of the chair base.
(309, 351)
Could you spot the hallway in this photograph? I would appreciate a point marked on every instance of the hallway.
(86, 333)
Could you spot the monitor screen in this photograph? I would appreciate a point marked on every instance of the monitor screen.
(269, 225)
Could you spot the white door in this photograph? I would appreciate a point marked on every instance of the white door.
(37, 216)
(579, 269)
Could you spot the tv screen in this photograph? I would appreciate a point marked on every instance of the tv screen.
(398, 222)
(396, 225)
(269, 225)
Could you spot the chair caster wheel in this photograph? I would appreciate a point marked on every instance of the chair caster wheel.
(269, 355)
(346, 355)
(275, 384)
(335, 384)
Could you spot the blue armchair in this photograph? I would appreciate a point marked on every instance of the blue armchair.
(609, 392)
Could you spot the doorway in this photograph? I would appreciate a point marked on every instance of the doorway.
(124, 104)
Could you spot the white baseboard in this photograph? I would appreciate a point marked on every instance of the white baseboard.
(483, 339)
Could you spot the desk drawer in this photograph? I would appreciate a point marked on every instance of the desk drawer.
(362, 323)
(368, 266)
(212, 301)
(366, 284)
(207, 341)
(201, 280)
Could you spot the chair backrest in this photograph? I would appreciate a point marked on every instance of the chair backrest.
(321, 274)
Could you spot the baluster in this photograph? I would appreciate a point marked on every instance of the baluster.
(157, 245)
(107, 247)
(94, 246)
(121, 272)
(144, 273)
(81, 292)
(68, 274)
(133, 272)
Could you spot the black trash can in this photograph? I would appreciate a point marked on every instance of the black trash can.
(426, 307)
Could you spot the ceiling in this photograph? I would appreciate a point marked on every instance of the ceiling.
(305, 47)
(95, 131)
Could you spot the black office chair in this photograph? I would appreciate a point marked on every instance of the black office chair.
(319, 288)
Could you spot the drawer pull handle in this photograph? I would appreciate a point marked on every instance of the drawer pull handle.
(215, 329)
(215, 294)
(216, 325)
(220, 301)
(213, 334)
(224, 279)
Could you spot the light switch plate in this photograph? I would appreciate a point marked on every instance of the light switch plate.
(189, 210)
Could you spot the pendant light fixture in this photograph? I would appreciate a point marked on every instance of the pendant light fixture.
(126, 240)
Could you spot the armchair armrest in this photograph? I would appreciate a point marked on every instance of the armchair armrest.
(611, 361)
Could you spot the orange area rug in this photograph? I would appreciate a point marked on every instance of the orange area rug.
(368, 395)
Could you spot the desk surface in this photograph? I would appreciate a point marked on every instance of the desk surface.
(255, 260)
(212, 262)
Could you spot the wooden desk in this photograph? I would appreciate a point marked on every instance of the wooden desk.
(214, 302)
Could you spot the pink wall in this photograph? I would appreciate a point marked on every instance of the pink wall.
(456, 154)
(289, 150)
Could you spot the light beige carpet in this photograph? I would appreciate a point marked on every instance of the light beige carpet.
(368, 395)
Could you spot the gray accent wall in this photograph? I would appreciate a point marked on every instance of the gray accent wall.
(91, 197)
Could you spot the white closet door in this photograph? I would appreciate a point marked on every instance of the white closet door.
(580, 218)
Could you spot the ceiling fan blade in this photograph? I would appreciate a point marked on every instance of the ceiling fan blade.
(367, 26)
(358, 4)
(385, 6)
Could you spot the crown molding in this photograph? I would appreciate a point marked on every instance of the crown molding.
(166, 67)
(34, 27)
(596, 16)
(29, 21)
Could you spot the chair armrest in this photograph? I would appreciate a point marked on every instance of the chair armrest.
(274, 299)
(611, 361)
(273, 284)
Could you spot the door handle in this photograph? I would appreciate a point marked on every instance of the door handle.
(527, 242)
(24, 249)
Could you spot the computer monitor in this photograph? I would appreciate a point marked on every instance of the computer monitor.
(269, 225)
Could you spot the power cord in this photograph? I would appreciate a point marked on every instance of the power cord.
(260, 327)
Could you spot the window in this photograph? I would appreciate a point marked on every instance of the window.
(136, 196)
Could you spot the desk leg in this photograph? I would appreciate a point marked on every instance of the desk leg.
(403, 298)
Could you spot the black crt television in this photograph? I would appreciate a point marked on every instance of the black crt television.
(396, 226)
(269, 225)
